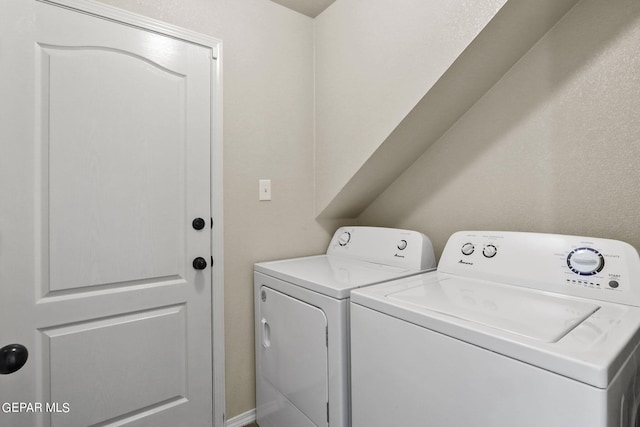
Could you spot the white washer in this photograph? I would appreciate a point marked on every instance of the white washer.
(302, 318)
(513, 329)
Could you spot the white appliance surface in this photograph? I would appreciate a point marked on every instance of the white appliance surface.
(522, 312)
(527, 320)
(331, 275)
(305, 383)
(356, 256)
(302, 319)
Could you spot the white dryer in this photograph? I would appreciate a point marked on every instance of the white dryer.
(513, 329)
(302, 318)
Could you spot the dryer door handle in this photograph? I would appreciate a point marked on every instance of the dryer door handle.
(266, 333)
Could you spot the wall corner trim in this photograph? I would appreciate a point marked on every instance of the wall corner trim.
(242, 420)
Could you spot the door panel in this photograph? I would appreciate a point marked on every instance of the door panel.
(139, 146)
(105, 161)
(120, 349)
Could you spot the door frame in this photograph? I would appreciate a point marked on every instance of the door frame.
(104, 11)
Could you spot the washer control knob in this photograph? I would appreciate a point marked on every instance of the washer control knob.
(489, 251)
(402, 245)
(585, 261)
(344, 238)
(468, 248)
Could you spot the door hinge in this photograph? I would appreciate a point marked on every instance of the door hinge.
(212, 223)
(212, 260)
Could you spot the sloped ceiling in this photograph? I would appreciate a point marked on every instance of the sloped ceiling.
(506, 38)
(310, 8)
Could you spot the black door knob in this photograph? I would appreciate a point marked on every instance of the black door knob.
(199, 263)
(198, 223)
(12, 358)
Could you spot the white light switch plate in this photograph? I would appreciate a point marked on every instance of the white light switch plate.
(265, 189)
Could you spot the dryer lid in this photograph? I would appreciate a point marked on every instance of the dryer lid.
(536, 315)
(332, 276)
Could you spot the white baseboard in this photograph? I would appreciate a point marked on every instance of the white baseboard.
(242, 419)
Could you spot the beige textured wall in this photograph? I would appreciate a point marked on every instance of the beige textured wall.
(268, 133)
(552, 147)
(374, 61)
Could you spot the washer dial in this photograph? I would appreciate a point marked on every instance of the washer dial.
(585, 261)
(489, 251)
(468, 248)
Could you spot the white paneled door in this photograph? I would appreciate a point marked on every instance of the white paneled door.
(105, 277)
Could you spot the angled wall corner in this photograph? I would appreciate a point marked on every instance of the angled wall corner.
(364, 144)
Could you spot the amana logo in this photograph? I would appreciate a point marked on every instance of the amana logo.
(464, 262)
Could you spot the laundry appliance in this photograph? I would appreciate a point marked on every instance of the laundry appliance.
(302, 318)
(513, 329)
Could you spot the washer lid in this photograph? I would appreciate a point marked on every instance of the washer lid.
(587, 340)
(333, 276)
(535, 315)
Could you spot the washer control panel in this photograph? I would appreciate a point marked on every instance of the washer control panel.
(595, 268)
(389, 246)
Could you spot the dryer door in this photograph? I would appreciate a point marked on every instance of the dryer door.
(294, 352)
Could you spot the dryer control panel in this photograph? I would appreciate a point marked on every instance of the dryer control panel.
(595, 268)
(389, 246)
